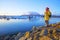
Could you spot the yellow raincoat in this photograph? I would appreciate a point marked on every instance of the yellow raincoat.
(46, 15)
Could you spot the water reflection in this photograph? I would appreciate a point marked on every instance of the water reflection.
(22, 25)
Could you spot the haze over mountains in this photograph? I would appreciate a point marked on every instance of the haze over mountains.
(25, 13)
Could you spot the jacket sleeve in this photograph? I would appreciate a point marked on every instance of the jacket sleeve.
(49, 14)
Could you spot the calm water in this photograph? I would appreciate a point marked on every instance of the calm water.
(22, 25)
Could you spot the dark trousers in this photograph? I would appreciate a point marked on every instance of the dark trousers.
(47, 23)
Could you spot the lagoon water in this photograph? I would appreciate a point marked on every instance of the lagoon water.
(22, 25)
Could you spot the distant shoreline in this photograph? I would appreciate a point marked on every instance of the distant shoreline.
(24, 16)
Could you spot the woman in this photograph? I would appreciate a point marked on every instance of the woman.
(47, 16)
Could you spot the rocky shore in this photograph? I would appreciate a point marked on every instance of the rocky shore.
(43, 33)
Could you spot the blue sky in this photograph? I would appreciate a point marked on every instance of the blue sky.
(19, 7)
